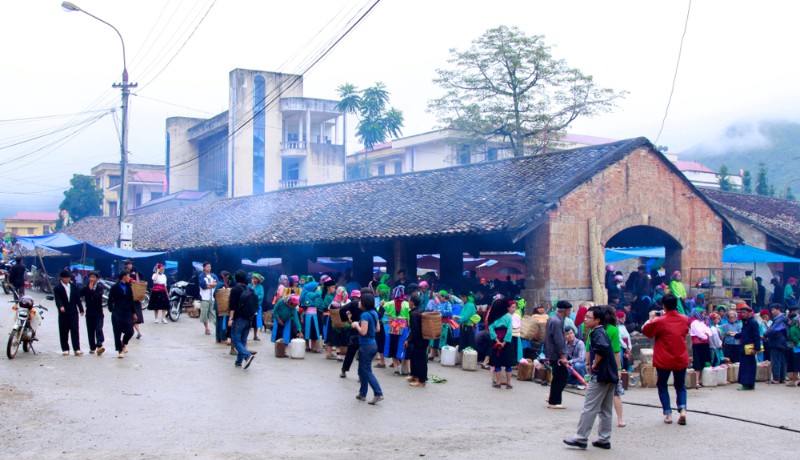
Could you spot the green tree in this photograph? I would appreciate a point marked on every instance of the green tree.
(82, 199)
(376, 122)
(771, 190)
(725, 179)
(762, 185)
(747, 182)
(788, 194)
(508, 87)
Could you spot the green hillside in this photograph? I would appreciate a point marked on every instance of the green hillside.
(776, 143)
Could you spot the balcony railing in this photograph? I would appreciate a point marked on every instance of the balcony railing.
(292, 183)
(293, 145)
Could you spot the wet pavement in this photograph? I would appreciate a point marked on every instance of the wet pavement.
(178, 395)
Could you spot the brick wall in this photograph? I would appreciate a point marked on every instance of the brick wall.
(639, 190)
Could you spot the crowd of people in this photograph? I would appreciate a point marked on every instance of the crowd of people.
(381, 323)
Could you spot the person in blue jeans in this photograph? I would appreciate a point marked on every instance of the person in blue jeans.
(239, 321)
(366, 328)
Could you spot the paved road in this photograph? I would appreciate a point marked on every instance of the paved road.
(178, 395)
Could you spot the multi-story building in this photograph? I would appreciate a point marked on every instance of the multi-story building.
(271, 137)
(26, 223)
(145, 183)
(440, 149)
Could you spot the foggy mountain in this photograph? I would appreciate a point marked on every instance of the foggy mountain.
(743, 146)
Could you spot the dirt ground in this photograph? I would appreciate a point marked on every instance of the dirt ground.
(178, 395)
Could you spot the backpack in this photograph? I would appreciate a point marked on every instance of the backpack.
(248, 302)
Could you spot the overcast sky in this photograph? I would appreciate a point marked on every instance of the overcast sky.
(739, 64)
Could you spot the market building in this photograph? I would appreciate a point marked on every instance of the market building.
(560, 208)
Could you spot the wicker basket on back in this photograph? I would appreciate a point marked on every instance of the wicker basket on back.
(431, 325)
(139, 289)
(223, 297)
(336, 318)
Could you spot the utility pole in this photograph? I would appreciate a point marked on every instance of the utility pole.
(125, 86)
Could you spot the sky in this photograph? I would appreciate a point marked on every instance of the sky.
(737, 66)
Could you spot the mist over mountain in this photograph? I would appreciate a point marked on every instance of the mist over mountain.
(776, 143)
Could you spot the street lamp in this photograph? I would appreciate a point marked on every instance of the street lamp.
(125, 88)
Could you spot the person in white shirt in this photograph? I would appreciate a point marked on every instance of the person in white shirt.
(158, 297)
(208, 283)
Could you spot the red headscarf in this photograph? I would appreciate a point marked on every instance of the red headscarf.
(580, 316)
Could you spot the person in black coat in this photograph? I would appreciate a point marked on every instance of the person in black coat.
(123, 312)
(68, 302)
(416, 344)
(92, 295)
(750, 337)
(350, 310)
(16, 276)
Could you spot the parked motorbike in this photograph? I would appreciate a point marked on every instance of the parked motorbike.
(178, 297)
(27, 319)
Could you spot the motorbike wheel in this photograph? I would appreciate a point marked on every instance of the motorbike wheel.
(146, 301)
(14, 339)
(174, 310)
(5, 289)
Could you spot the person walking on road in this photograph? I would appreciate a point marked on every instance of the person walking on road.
(670, 355)
(68, 302)
(123, 312)
(239, 320)
(367, 327)
(92, 295)
(139, 317)
(600, 393)
(158, 296)
(555, 352)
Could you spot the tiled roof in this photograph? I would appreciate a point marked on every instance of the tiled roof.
(445, 202)
(776, 217)
(692, 166)
(42, 216)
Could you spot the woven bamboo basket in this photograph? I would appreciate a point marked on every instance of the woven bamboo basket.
(528, 329)
(336, 318)
(139, 289)
(649, 376)
(431, 325)
(223, 297)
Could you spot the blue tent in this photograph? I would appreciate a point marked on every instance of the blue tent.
(75, 248)
(742, 253)
(617, 254)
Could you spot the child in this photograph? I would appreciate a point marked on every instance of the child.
(715, 341)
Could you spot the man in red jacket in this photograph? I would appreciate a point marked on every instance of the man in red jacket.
(670, 354)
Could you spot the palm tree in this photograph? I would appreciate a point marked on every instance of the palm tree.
(376, 122)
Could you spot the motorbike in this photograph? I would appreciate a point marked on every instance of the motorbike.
(178, 297)
(27, 319)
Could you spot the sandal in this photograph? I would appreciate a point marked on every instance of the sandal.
(342, 374)
(397, 373)
(668, 420)
(380, 366)
(621, 425)
(508, 386)
(496, 385)
(485, 367)
(682, 420)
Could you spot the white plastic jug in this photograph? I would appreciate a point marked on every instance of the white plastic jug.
(469, 360)
(449, 356)
(709, 377)
(721, 373)
(297, 349)
(733, 372)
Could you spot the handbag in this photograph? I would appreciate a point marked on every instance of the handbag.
(749, 349)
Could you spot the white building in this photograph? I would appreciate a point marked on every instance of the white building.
(271, 137)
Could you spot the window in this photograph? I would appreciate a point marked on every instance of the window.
(398, 167)
(155, 195)
(114, 180)
(259, 132)
(381, 170)
(463, 155)
(15, 230)
(31, 230)
(46, 229)
(492, 155)
(112, 208)
(97, 184)
(137, 201)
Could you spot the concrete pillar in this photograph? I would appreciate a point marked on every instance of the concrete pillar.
(300, 129)
(451, 264)
(308, 129)
(362, 267)
(336, 130)
(322, 133)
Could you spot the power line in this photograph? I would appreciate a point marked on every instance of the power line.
(675, 75)
(181, 47)
(291, 85)
(50, 133)
(172, 103)
(44, 117)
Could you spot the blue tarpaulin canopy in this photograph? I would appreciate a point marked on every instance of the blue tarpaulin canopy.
(743, 253)
(75, 248)
(617, 254)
